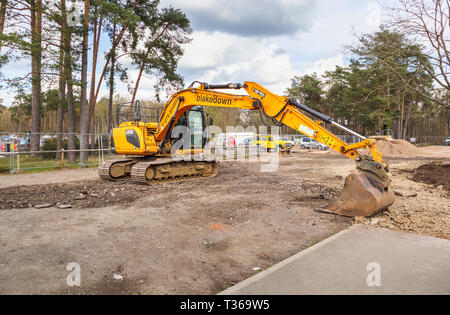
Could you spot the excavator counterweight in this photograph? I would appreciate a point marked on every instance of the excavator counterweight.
(152, 147)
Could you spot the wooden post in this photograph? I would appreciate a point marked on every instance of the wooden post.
(62, 158)
(18, 163)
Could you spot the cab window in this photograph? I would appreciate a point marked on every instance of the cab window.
(195, 120)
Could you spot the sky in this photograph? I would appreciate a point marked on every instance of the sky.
(265, 41)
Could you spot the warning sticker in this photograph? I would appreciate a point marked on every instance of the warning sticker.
(306, 131)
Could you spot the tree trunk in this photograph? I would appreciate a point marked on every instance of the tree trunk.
(61, 93)
(2, 18)
(93, 100)
(141, 70)
(36, 59)
(402, 114)
(69, 83)
(111, 82)
(90, 108)
(70, 115)
(136, 87)
(84, 67)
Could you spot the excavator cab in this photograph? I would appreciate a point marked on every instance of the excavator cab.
(196, 121)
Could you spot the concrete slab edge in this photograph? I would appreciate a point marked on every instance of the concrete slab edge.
(232, 290)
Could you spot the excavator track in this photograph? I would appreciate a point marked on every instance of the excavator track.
(168, 170)
(106, 169)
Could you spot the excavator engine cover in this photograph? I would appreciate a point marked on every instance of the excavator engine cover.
(363, 195)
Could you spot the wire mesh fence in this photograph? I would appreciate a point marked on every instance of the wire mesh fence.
(16, 154)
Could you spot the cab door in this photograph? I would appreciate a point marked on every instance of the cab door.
(196, 124)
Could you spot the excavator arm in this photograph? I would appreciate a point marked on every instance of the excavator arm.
(281, 109)
(365, 192)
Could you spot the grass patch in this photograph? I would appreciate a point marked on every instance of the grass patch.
(30, 164)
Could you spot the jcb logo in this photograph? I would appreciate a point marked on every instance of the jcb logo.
(262, 94)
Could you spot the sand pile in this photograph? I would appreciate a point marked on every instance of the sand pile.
(398, 148)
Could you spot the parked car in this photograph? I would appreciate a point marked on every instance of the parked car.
(447, 141)
(287, 142)
(8, 147)
(308, 143)
(269, 143)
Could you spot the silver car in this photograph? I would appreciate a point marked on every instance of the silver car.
(308, 143)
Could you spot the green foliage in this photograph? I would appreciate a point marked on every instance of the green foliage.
(384, 86)
(308, 89)
(51, 145)
(156, 43)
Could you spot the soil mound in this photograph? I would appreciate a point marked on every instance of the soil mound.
(398, 148)
(434, 174)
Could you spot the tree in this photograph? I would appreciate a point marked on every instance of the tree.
(37, 30)
(84, 69)
(428, 23)
(308, 89)
(398, 78)
(128, 19)
(166, 31)
(67, 34)
(36, 59)
(61, 90)
(3, 4)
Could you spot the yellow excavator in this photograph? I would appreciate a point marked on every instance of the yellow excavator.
(149, 146)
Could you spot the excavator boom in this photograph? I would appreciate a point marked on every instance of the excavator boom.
(365, 192)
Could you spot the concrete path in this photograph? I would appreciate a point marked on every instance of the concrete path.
(346, 262)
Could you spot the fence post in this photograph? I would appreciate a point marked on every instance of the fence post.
(18, 163)
(98, 145)
(11, 157)
(62, 158)
(81, 150)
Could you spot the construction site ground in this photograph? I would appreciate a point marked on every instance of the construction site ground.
(194, 237)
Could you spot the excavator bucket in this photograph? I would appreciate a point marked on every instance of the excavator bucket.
(363, 195)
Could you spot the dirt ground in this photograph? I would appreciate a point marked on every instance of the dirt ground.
(48, 177)
(194, 237)
(436, 174)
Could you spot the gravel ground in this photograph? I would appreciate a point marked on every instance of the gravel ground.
(194, 237)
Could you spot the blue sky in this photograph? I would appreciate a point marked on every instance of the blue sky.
(267, 41)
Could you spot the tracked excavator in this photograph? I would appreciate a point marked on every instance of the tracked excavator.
(148, 146)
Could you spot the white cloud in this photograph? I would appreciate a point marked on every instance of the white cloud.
(323, 65)
(221, 58)
(249, 17)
